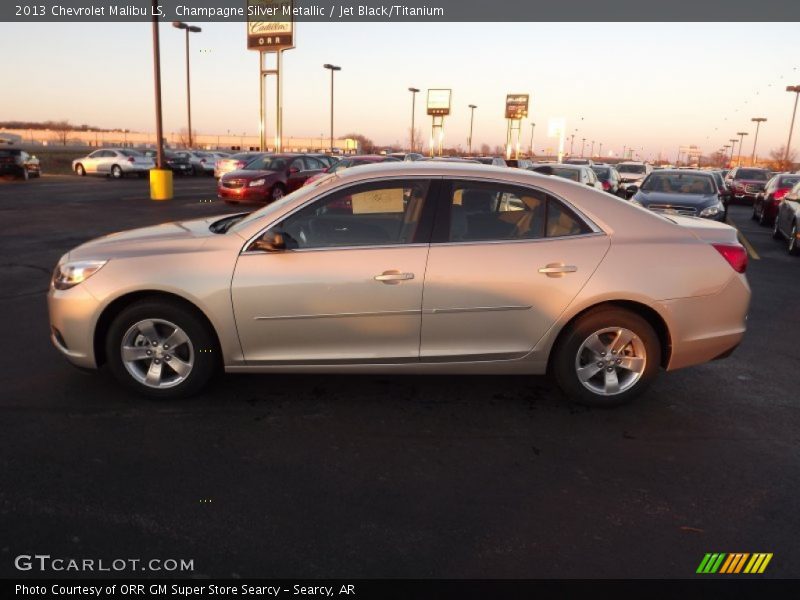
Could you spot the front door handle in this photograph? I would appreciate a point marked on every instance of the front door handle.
(557, 269)
(393, 277)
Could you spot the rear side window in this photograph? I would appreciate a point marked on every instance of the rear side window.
(496, 212)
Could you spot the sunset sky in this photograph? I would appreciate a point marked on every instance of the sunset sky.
(653, 86)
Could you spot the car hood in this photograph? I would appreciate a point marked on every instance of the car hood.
(179, 236)
(670, 199)
(249, 174)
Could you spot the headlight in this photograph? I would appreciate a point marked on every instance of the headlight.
(70, 274)
(257, 182)
(712, 211)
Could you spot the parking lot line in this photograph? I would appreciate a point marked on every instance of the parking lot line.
(745, 242)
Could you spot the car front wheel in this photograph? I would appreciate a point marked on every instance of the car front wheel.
(116, 172)
(79, 170)
(793, 248)
(608, 357)
(161, 349)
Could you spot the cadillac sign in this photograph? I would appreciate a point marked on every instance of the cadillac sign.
(269, 25)
(516, 106)
(439, 102)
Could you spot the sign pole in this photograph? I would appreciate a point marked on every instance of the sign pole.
(262, 121)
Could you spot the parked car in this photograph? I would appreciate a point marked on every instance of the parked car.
(202, 162)
(18, 163)
(114, 162)
(765, 206)
(326, 159)
(519, 163)
(609, 178)
(522, 274)
(681, 192)
(578, 173)
(407, 156)
(352, 161)
(234, 161)
(787, 221)
(632, 175)
(745, 183)
(495, 161)
(579, 161)
(267, 178)
(178, 162)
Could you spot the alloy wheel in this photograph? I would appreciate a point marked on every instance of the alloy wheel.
(610, 361)
(157, 353)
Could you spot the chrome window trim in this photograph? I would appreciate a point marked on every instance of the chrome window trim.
(531, 241)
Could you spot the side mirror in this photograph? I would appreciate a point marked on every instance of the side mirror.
(293, 170)
(271, 241)
(629, 193)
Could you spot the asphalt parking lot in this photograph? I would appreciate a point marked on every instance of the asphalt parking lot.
(375, 476)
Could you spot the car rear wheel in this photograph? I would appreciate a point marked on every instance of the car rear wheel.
(776, 230)
(763, 220)
(161, 350)
(79, 170)
(25, 174)
(754, 216)
(607, 357)
(116, 172)
(793, 249)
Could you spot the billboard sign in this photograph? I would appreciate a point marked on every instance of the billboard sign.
(269, 25)
(439, 102)
(517, 106)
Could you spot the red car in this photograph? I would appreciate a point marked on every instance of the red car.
(746, 182)
(354, 161)
(765, 206)
(267, 178)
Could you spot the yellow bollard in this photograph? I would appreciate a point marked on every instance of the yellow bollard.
(160, 184)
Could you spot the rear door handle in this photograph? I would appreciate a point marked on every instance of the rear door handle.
(557, 269)
(393, 277)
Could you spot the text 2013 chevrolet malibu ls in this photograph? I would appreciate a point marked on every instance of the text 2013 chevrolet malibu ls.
(423, 267)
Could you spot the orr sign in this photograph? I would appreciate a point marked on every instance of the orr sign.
(270, 25)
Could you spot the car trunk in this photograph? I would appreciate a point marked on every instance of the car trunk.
(706, 230)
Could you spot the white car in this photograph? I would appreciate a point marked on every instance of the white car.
(202, 162)
(577, 173)
(116, 162)
(632, 174)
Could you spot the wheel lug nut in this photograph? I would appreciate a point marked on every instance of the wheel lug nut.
(155, 343)
(600, 364)
(167, 357)
(165, 346)
(609, 369)
(602, 354)
(158, 362)
(149, 352)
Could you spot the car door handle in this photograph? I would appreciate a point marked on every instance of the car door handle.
(557, 269)
(393, 277)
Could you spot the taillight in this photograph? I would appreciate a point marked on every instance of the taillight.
(131, 159)
(240, 164)
(606, 185)
(735, 254)
(780, 193)
(202, 161)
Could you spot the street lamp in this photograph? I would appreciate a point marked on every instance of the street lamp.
(624, 149)
(571, 143)
(741, 135)
(733, 142)
(600, 150)
(583, 146)
(472, 108)
(189, 29)
(591, 152)
(758, 121)
(333, 68)
(796, 90)
(413, 91)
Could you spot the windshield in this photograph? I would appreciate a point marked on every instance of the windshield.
(679, 183)
(571, 174)
(266, 163)
(638, 169)
(788, 181)
(277, 206)
(752, 174)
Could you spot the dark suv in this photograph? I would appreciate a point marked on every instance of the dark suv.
(18, 163)
(745, 183)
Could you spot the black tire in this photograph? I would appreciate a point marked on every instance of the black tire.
(116, 172)
(205, 354)
(565, 356)
(276, 193)
(25, 174)
(776, 232)
(793, 248)
(79, 170)
(754, 216)
(763, 220)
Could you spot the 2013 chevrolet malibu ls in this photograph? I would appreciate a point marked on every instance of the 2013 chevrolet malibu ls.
(418, 267)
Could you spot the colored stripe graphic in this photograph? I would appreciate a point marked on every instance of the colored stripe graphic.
(723, 563)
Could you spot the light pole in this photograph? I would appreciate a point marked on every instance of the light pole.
(600, 150)
(583, 146)
(624, 149)
(530, 151)
(758, 121)
(733, 142)
(472, 108)
(189, 29)
(796, 90)
(333, 68)
(591, 152)
(741, 135)
(160, 178)
(725, 154)
(571, 143)
(413, 91)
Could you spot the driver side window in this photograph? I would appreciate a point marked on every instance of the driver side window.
(372, 214)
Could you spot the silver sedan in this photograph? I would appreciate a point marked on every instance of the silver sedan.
(114, 162)
(420, 267)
